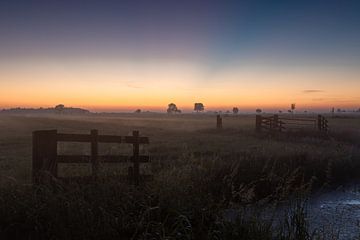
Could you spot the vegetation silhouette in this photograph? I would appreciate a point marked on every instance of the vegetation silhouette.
(199, 107)
(172, 108)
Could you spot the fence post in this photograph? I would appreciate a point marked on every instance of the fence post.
(44, 153)
(276, 123)
(319, 121)
(218, 122)
(258, 123)
(136, 167)
(94, 153)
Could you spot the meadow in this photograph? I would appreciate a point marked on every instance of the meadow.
(199, 174)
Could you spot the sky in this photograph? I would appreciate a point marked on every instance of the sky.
(123, 55)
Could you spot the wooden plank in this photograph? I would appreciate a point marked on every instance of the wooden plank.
(143, 178)
(73, 159)
(109, 139)
(65, 137)
(299, 119)
(102, 158)
(132, 140)
(300, 124)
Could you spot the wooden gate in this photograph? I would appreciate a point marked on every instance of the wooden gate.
(276, 123)
(45, 157)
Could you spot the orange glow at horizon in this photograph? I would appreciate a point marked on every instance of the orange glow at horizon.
(126, 85)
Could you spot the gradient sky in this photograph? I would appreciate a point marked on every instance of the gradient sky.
(123, 55)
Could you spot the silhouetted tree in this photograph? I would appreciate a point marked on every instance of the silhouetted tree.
(235, 110)
(137, 111)
(280, 111)
(172, 108)
(258, 110)
(199, 107)
(59, 108)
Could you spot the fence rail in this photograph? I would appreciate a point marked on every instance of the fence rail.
(46, 158)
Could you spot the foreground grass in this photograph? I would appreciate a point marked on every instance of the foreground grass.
(186, 200)
(116, 211)
(199, 174)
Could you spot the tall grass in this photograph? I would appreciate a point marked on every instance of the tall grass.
(186, 200)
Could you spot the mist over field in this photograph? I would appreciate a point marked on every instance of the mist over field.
(205, 181)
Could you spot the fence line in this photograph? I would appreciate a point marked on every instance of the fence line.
(276, 123)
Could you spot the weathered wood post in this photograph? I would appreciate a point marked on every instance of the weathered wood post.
(258, 123)
(94, 152)
(136, 152)
(44, 153)
(218, 122)
(275, 123)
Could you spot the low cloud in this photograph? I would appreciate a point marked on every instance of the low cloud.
(312, 91)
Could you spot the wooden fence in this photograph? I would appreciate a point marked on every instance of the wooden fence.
(45, 157)
(276, 123)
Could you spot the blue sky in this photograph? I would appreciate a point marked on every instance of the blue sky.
(216, 29)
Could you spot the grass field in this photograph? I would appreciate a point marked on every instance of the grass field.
(198, 173)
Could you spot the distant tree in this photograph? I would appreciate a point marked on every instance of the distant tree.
(172, 108)
(59, 108)
(137, 111)
(258, 110)
(338, 110)
(280, 111)
(199, 107)
(235, 110)
(289, 111)
(358, 110)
